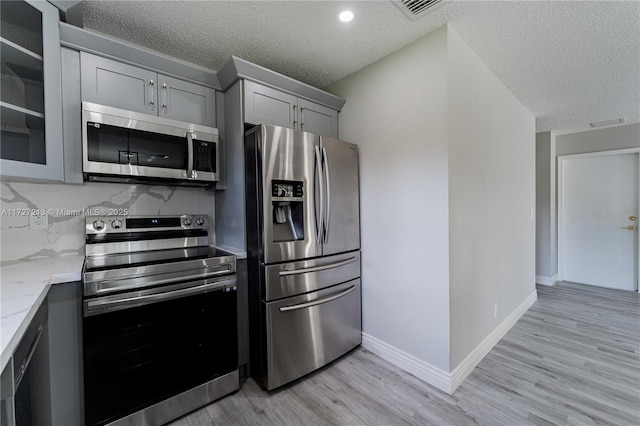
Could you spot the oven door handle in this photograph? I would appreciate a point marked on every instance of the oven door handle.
(119, 302)
(102, 286)
(318, 302)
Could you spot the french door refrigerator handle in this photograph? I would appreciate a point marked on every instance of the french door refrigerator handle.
(327, 214)
(318, 302)
(317, 268)
(319, 226)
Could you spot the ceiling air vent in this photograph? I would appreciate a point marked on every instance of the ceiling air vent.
(415, 9)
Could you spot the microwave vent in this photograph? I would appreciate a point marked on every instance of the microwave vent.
(415, 9)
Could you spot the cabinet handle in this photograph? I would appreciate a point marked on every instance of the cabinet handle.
(301, 118)
(295, 116)
(164, 88)
(151, 98)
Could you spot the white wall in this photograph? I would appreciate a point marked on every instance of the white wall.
(447, 161)
(396, 111)
(491, 200)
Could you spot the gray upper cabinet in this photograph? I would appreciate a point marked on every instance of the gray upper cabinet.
(185, 101)
(113, 83)
(264, 105)
(31, 116)
(318, 119)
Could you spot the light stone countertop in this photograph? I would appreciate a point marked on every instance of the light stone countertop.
(23, 287)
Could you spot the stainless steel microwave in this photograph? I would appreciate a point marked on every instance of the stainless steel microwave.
(126, 146)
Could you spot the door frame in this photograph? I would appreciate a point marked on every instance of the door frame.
(561, 162)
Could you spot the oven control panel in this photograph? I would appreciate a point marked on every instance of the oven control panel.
(118, 224)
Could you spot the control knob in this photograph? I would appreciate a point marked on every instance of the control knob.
(186, 221)
(116, 224)
(98, 225)
(200, 221)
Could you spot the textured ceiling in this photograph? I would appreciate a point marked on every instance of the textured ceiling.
(569, 62)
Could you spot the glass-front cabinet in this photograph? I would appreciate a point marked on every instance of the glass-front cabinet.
(31, 111)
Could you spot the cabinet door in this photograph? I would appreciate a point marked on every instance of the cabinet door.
(31, 116)
(263, 105)
(119, 85)
(318, 119)
(185, 101)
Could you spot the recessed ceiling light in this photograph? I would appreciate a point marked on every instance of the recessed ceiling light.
(345, 16)
(608, 122)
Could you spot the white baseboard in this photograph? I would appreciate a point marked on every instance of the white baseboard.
(545, 280)
(443, 380)
(473, 359)
(409, 363)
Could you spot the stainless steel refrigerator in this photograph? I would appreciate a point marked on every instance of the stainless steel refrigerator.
(303, 245)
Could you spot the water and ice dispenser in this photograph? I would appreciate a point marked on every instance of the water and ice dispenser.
(287, 199)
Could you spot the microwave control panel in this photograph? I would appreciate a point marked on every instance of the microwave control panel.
(204, 156)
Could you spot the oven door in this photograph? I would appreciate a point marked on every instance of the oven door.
(156, 346)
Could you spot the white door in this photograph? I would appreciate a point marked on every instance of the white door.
(599, 209)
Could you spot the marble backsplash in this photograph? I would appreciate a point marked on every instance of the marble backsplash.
(68, 205)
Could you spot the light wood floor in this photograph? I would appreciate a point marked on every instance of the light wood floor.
(572, 359)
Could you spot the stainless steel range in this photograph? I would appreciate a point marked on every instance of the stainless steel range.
(160, 319)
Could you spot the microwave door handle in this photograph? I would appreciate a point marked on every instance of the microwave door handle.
(190, 171)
